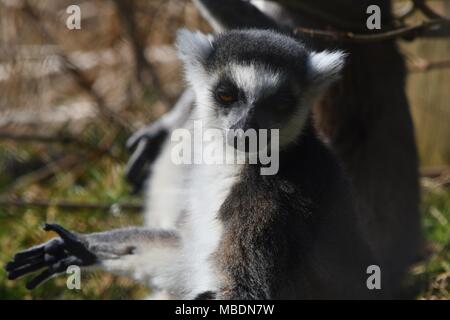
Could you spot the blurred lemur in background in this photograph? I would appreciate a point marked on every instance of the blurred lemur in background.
(292, 235)
(237, 234)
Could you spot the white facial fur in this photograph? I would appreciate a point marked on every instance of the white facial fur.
(255, 80)
(323, 69)
(193, 49)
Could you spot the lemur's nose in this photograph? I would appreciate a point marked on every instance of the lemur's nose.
(247, 121)
(246, 124)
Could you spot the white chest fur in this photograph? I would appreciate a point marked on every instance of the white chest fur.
(210, 186)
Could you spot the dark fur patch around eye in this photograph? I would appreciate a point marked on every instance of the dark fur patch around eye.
(284, 97)
(226, 93)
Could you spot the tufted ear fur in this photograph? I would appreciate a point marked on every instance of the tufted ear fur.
(325, 67)
(193, 48)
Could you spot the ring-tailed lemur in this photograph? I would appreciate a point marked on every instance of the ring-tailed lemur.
(366, 123)
(230, 232)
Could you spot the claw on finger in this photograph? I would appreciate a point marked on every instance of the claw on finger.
(66, 235)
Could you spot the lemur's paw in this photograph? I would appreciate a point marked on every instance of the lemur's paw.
(147, 133)
(55, 256)
(146, 144)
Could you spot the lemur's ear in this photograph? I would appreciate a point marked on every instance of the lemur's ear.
(193, 47)
(325, 67)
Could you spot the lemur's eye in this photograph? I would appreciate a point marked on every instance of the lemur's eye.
(226, 94)
(226, 97)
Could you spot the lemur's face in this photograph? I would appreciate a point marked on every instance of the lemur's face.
(253, 95)
(253, 79)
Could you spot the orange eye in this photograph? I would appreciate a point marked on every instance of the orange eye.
(227, 98)
(226, 94)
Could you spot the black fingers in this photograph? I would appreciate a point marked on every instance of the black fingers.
(55, 255)
(53, 246)
(135, 139)
(31, 252)
(52, 251)
(137, 161)
(148, 148)
(147, 133)
(44, 275)
(35, 258)
(55, 268)
(12, 265)
(18, 272)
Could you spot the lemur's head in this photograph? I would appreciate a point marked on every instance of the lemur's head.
(255, 79)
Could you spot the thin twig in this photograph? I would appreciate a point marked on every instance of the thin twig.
(63, 164)
(434, 172)
(423, 65)
(409, 31)
(69, 162)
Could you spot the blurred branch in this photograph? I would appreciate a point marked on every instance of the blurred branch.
(342, 16)
(77, 74)
(18, 202)
(438, 176)
(63, 164)
(408, 31)
(145, 73)
(423, 65)
(434, 172)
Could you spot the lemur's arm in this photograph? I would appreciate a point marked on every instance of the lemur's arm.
(134, 251)
(147, 141)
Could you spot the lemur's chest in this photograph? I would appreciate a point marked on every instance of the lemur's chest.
(212, 175)
(210, 187)
(208, 191)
